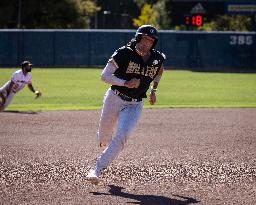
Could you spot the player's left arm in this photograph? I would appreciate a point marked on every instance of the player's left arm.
(36, 92)
(152, 95)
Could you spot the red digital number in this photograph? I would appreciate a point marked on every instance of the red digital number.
(187, 20)
(195, 20)
(199, 20)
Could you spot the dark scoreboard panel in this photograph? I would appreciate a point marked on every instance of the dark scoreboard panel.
(195, 13)
(196, 20)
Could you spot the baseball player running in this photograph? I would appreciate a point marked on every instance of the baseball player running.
(19, 79)
(129, 71)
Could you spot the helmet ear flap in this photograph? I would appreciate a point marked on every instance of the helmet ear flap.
(138, 38)
(155, 42)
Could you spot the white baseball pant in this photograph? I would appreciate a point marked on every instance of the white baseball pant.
(127, 115)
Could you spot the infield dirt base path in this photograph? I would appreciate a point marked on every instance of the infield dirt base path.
(175, 156)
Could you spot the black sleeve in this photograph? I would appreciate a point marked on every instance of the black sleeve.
(120, 57)
(163, 57)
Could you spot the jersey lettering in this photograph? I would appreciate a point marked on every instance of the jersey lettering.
(15, 88)
(133, 68)
(151, 71)
(20, 80)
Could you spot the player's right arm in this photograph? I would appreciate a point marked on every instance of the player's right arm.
(108, 76)
(117, 61)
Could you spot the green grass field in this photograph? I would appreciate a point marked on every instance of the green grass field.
(78, 89)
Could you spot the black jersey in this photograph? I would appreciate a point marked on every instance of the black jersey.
(131, 65)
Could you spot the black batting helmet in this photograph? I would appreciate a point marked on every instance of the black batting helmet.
(147, 30)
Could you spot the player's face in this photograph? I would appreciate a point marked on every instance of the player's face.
(28, 68)
(145, 44)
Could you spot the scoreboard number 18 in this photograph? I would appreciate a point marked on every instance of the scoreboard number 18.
(194, 20)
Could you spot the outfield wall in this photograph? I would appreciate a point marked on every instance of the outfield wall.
(202, 51)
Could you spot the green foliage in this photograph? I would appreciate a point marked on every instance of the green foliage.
(86, 9)
(164, 11)
(156, 14)
(229, 23)
(8, 14)
(73, 89)
(65, 14)
(47, 14)
(140, 3)
(148, 16)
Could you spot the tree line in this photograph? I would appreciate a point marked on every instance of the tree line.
(111, 14)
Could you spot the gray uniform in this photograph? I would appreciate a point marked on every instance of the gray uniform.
(19, 82)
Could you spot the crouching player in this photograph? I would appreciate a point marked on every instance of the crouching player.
(19, 80)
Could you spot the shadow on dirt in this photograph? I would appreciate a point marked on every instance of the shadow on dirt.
(147, 199)
(20, 112)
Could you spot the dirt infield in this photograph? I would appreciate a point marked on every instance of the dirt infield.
(175, 156)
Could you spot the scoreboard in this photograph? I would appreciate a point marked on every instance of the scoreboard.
(196, 20)
(195, 13)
